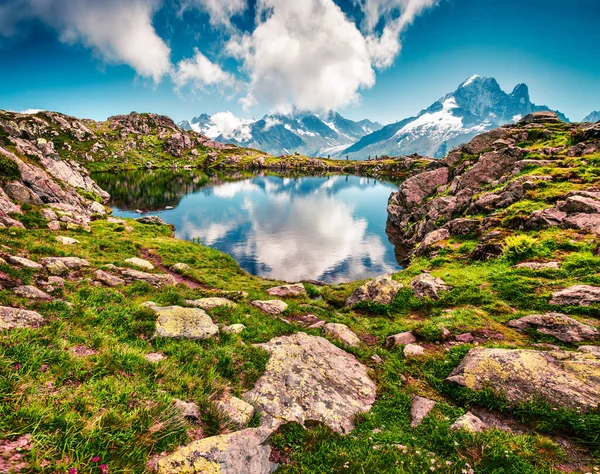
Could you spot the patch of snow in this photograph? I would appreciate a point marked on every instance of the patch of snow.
(516, 118)
(270, 122)
(332, 126)
(470, 80)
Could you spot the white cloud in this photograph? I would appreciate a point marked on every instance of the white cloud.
(304, 54)
(232, 126)
(219, 11)
(199, 72)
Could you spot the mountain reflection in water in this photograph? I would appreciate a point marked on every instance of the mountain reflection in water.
(321, 228)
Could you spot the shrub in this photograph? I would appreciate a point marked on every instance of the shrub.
(9, 171)
(518, 247)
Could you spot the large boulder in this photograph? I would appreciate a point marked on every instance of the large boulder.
(295, 289)
(178, 322)
(18, 318)
(569, 379)
(577, 295)
(342, 333)
(211, 302)
(270, 306)
(425, 285)
(382, 289)
(558, 325)
(308, 378)
(154, 279)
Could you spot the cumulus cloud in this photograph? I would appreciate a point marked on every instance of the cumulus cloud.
(119, 31)
(199, 72)
(219, 11)
(231, 126)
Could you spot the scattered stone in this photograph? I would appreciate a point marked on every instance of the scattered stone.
(577, 295)
(539, 265)
(308, 378)
(295, 289)
(140, 263)
(56, 267)
(187, 409)
(24, 262)
(375, 358)
(178, 322)
(155, 357)
(470, 423)
(245, 451)
(464, 338)
(19, 318)
(271, 306)
(108, 278)
(210, 303)
(421, 407)
(562, 378)
(413, 350)
(342, 333)
(31, 292)
(400, 339)
(233, 328)
(428, 286)
(83, 351)
(180, 268)
(152, 220)
(154, 279)
(67, 240)
(74, 263)
(382, 290)
(237, 410)
(558, 325)
(56, 281)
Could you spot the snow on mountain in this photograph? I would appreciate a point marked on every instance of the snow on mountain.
(477, 105)
(306, 133)
(593, 117)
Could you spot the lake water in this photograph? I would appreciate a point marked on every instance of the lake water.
(305, 228)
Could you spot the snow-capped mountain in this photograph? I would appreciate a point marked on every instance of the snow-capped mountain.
(306, 133)
(593, 117)
(477, 105)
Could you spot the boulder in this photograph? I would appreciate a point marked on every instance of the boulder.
(421, 407)
(413, 350)
(542, 116)
(577, 295)
(400, 339)
(308, 378)
(270, 306)
(66, 240)
(594, 350)
(241, 452)
(428, 286)
(24, 262)
(414, 190)
(151, 220)
(469, 422)
(56, 267)
(20, 193)
(233, 329)
(462, 226)
(28, 291)
(73, 263)
(140, 263)
(19, 318)
(155, 357)
(179, 322)
(238, 411)
(382, 290)
(431, 241)
(180, 268)
(561, 378)
(558, 325)
(539, 265)
(187, 409)
(295, 289)
(210, 303)
(154, 279)
(343, 333)
(108, 278)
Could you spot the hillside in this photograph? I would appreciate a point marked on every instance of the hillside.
(123, 349)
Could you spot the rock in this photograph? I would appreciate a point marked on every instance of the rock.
(180, 268)
(108, 279)
(20, 193)
(54, 225)
(343, 333)
(210, 303)
(382, 290)
(241, 452)
(558, 325)
(155, 357)
(308, 378)
(154, 279)
(413, 350)
(237, 410)
(470, 423)
(464, 338)
(233, 329)
(83, 351)
(421, 407)
(561, 378)
(151, 220)
(539, 265)
(544, 218)
(56, 267)
(486, 251)
(73, 263)
(24, 262)
(458, 227)
(66, 240)
(287, 290)
(428, 286)
(431, 240)
(594, 350)
(542, 116)
(375, 358)
(414, 190)
(140, 263)
(583, 221)
(271, 306)
(187, 409)
(402, 338)
(19, 318)
(577, 295)
(186, 323)
(28, 291)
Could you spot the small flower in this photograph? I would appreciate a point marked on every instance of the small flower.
(18, 366)
(72, 471)
(96, 459)
(103, 468)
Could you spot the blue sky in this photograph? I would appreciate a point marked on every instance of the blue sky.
(378, 59)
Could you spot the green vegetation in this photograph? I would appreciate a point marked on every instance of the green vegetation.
(9, 171)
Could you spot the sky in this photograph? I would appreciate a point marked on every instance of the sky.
(379, 59)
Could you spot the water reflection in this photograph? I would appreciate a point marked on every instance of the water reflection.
(325, 228)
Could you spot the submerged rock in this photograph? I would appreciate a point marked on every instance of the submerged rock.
(18, 318)
(382, 289)
(343, 333)
(308, 378)
(577, 295)
(295, 289)
(570, 379)
(558, 325)
(186, 323)
(270, 306)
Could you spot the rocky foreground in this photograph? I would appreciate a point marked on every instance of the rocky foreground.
(123, 349)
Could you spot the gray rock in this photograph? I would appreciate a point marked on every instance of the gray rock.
(179, 322)
(151, 220)
(73, 263)
(19, 318)
(425, 285)
(431, 241)
(382, 290)
(421, 407)
(413, 350)
(24, 262)
(28, 291)
(343, 333)
(154, 279)
(180, 268)
(233, 328)
(66, 240)
(470, 423)
(295, 289)
(108, 278)
(210, 303)
(237, 410)
(140, 263)
(539, 265)
(155, 357)
(400, 339)
(594, 350)
(270, 306)
(558, 325)
(187, 409)
(577, 295)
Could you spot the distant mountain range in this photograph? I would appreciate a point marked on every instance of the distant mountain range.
(306, 133)
(477, 105)
(593, 117)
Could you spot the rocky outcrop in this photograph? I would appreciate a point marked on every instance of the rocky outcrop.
(561, 378)
(400, 339)
(577, 295)
(19, 318)
(425, 285)
(308, 378)
(382, 290)
(558, 325)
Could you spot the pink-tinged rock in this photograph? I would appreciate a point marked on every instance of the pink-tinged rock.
(295, 289)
